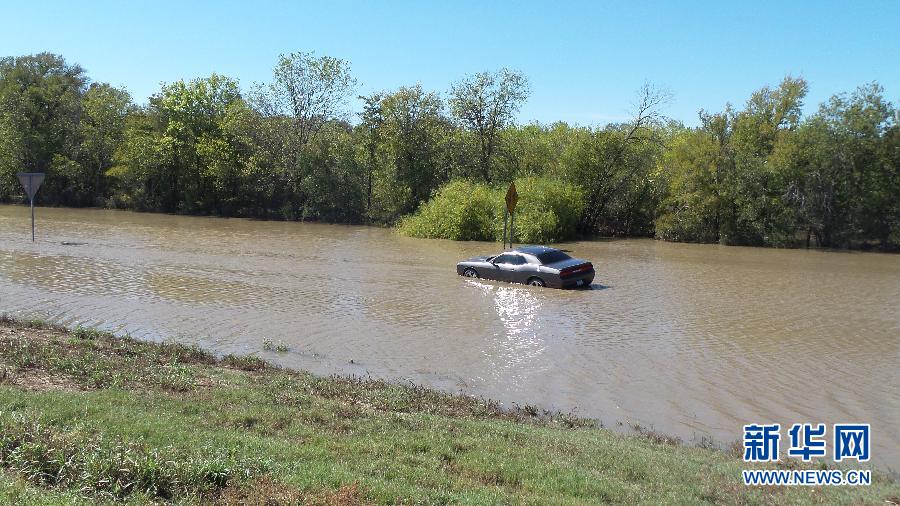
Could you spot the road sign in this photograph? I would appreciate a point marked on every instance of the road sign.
(31, 181)
(512, 198)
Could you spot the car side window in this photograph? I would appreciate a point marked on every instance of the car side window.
(510, 260)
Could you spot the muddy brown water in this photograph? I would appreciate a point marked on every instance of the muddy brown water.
(693, 340)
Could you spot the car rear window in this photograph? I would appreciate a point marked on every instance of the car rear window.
(551, 257)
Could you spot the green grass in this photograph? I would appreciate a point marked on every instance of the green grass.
(86, 417)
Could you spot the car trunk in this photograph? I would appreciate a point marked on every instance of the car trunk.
(563, 264)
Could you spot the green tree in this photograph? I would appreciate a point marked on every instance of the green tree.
(533, 150)
(308, 89)
(40, 109)
(694, 165)
(484, 104)
(173, 157)
(606, 162)
(755, 188)
(306, 94)
(332, 185)
(844, 181)
(728, 179)
(412, 157)
(142, 165)
(105, 109)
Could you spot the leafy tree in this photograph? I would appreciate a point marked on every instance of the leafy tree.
(728, 179)
(412, 144)
(40, 108)
(608, 161)
(695, 164)
(368, 136)
(306, 94)
(174, 153)
(105, 110)
(140, 174)
(485, 103)
(332, 184)
(308, 89)
(844, 181)
(755, 187)
(533, 150)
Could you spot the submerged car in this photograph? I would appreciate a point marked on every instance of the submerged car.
(531, 265)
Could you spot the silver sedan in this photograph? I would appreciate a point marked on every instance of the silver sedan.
(531, 265)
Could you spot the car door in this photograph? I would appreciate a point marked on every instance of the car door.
(520, 270)
(503, 266)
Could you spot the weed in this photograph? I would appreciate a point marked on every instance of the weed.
(269, 345)
(245, 362)
(656, 437)
(89, 334)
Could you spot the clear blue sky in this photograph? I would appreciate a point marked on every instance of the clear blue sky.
(585, 60)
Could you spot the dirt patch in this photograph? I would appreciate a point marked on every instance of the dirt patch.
(348, 495)
(32, 333)
(262, 491)
(38, 380)
(265, 491)
(206, 382)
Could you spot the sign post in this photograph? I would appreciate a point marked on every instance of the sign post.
(31, 181)
(505, 224)
(512, 198)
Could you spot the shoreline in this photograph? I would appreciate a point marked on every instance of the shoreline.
(384, 226)
(296, 437)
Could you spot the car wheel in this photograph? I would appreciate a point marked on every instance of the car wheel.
(470, 273)
(536, 282)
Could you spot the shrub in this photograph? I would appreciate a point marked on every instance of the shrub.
(461, 210)
(548, 211)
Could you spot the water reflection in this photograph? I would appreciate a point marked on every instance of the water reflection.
(513, 352)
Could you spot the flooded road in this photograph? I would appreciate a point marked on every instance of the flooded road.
(694, 340)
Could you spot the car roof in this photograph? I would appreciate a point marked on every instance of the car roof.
(533, 250)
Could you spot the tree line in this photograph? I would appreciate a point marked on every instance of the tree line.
(763, 174)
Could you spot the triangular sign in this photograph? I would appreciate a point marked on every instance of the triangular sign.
(31, 181)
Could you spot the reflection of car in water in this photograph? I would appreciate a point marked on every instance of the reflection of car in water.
(532, 265)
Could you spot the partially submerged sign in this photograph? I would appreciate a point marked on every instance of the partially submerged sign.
(31, 181)
(512, 198)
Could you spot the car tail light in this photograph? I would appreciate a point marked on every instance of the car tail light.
(578, 269)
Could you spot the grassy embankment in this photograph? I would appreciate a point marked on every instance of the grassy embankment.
(86, 417)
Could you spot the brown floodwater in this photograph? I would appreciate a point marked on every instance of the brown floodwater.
(694, 340)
